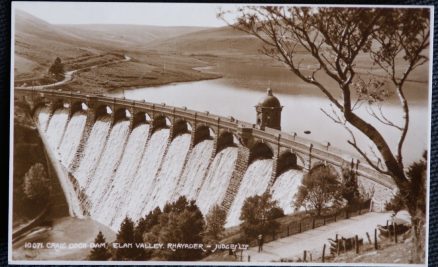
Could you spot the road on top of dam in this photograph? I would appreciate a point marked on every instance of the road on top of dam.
(312, 241)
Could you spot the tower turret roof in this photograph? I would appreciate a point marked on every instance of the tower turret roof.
(269, 101)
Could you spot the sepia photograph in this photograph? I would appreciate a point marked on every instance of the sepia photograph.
(219, 134)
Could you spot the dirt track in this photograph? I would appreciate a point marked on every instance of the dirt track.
(292, 247)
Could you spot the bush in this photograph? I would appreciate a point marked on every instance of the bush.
(320, 189)
(215, 221)
(258, 215)
(36, 184)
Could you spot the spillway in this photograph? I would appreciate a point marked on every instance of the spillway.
(134, 202)
(195, 171)
(167, 178)
(56, 128)
(93, 149)
(42, 115)
(254, 182)
(284, 189)
(217, 180)
(108, 163)
(72, 137)
(105, 209)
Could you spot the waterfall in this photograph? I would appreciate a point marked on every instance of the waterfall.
(72, 137)
(121, 184)
(167, 178)
(107, 165)
(55, 128)
(133, 203)
(254, 182)
(195, 171)
(216, 182)
(93, 149)
(42, 114)
(284, 189)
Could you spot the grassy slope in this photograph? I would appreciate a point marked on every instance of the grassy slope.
(38, 43)
(167, 54)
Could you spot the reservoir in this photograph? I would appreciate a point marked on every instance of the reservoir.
(301, 114)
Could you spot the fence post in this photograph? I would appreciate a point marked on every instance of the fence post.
(300, 226)
(249, 258)
(304, 256)
(395, 231)
(287, 230)
(313, 223)
(323, 253)
(337, 244)
(324, 220)
(369, 238)
(356, 243)
(375, 239)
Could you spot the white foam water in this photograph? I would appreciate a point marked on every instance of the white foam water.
(254, 182)
(195, 171)
(167, 177)
(134, 202)
(121, 184)
(56, 128)
(107, 165)
(42, 116)
(284, 189)
(217, 180)
(72, 137)
(93, 149)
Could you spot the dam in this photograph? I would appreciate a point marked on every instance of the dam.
(124, 158)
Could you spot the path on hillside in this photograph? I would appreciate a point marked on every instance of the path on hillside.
(293, 246)
(68, 75)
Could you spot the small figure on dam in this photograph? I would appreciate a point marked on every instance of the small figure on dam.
(269, 112)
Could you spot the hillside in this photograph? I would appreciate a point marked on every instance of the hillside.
(91, 48)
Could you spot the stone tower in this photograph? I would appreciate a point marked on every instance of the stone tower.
(269, 112)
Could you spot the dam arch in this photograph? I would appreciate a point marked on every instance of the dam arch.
(260, 150)
(225, 139)
(102, 110)
(179, 126)
(201, 133)
(121, 114)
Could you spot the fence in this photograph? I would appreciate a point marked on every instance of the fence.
(311, 222)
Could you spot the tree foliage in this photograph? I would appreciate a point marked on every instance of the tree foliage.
(335, 43)
(179, 222)
(215, 221)
(57, 68)
(100, 253)
(36, 184)
(126, 235)
(258, 215)
(320, 189)
(350, 189)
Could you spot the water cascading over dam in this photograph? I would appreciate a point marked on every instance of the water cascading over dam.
(125, 172)
(122, 181)
(215, 185)
(193, 176)
(285, 188)
(72, 137)
(118, 158)
(255, 182)
(56, 127)
(134, 203)
(93, 149)
(107, 166)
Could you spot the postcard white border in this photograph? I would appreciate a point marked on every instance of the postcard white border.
(204, 263)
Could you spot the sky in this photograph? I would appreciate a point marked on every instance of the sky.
(161, 14)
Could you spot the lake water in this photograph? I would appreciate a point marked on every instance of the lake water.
(300, 113)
